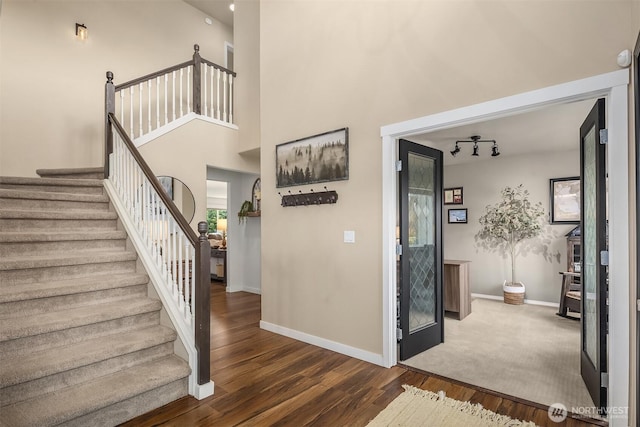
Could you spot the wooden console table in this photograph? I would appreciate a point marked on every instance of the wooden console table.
(457, 295)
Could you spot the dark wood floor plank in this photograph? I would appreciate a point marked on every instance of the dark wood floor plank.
(265, 379)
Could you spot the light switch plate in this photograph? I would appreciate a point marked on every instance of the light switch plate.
(349, 236)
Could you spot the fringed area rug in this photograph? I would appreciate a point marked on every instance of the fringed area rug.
(416, 407)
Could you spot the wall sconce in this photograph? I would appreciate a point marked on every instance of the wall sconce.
(82, 33)
(475, 139)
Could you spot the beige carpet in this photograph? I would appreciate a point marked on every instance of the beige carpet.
(417, 407)
(520, 350)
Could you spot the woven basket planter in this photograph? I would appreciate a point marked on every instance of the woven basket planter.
(513, 294)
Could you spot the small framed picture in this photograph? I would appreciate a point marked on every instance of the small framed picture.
(457, 216)
(453, 196)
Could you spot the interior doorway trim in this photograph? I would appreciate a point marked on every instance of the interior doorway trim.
(611, 85)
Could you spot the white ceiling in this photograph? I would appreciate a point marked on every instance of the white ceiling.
(217, 9)
(555, 128)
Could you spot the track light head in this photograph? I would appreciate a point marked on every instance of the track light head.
(475, 149)
(455, 150)
(494, 150)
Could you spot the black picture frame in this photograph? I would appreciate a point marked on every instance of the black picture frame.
(453, 196)
(564, 200)
(318, 158)
(457, 216)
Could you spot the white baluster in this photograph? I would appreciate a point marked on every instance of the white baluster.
(131, 94)
(122, 107)
(158, 99)
(173, 95)
(218, 94)
(140, 109)
(230, 98)
(180, 100)
(188, 89)
(224, 97)
(149, 105)
(213, 70)
(166, 96)
(205, 87)
(180, 266)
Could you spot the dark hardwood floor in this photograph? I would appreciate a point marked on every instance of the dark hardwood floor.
(264, 379)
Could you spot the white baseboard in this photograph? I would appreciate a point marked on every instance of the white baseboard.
(252, 290)
(203, 390)
(356, 353)
(526, 301)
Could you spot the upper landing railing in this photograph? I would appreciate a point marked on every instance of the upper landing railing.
(145, 105)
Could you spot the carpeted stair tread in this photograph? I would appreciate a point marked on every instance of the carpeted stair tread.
(72, 402)
(11, 193)
(55, 182)
(59, 236)
(73, 258)
(19, 326)
(99, 170)
(57, 214)
(70, 286)
(27, 367)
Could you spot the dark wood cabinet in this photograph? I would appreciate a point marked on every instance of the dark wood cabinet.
(573, 253)
(219, 264)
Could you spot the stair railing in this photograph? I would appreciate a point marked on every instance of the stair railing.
(180, 259)
(150, 103)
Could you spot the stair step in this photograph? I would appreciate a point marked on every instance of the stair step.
(56, 185)
(62, 259)
(28, 220)
(40, 364)
(75, 173)
(19, 327)
(89, 398)
(15, 198)
(34, 243)
(56, 339)
(58, 288)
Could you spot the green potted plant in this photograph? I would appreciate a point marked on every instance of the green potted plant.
(244, 211)
(507, 223)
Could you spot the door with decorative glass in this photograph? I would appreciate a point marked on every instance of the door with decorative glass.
(421, 308)
(593, 243)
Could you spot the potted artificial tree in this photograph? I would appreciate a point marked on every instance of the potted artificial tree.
(507, 223)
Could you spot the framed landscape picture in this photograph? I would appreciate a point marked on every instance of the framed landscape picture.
(457, 216)
(564, 200)
(318, 158)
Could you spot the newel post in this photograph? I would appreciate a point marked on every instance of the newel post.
(202, 308)
(196, 79)
(110, 107)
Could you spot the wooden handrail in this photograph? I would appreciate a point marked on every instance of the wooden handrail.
(218, 67)
(152, 75)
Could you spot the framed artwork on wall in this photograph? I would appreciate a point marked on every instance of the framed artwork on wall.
(318, 158)
(453, 196)
(564, 200)
(457, 216)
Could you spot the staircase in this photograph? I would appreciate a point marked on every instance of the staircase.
(80, 341)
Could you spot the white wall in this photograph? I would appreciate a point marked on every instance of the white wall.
(482, 180)
(243, 239)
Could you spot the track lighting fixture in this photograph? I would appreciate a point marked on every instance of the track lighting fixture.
(475, 139)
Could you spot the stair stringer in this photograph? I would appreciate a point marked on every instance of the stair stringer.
(185, 334)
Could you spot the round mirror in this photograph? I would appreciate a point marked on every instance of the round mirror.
(180, 194)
